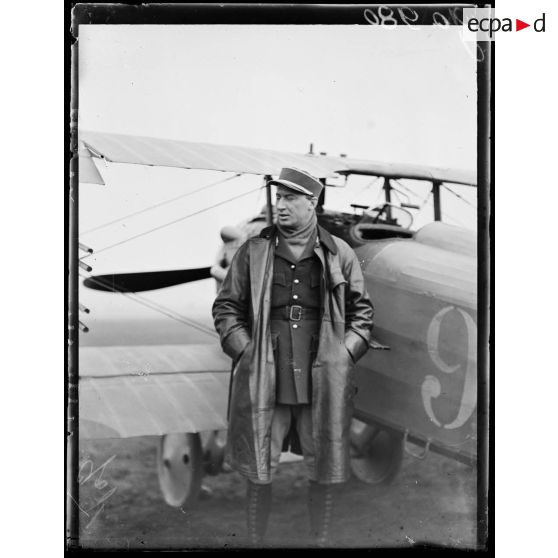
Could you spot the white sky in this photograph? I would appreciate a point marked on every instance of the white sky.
(396, 95)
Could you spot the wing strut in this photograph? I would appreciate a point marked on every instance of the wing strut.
(321, 199)
(387, 190)
(267, 178)
(436, 200)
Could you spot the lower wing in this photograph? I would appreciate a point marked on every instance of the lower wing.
(127, 391)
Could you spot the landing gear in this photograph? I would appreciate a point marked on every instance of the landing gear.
(180, 468)
(214, 451)
(376, 452)
(183, 459)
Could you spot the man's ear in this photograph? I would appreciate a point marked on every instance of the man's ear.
(314, 202)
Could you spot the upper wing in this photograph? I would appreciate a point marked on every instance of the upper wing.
(127, 391)
(140, 150)
(413, 172)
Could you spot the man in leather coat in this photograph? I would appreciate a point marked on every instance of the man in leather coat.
(294, 315)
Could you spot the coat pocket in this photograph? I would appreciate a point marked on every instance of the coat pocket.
(236, 362)
(279, 279)
(336, 277)
(237, 379)
(351, 358)
(315, 279)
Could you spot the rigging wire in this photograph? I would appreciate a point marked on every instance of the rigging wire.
(152, 305)
(368, 186)
(458, 196)
(424, 202)
(444, 186)
(172, 222)
(455, 220)
(410, 192)
(160, 204)
(397, 194)
(381, 193)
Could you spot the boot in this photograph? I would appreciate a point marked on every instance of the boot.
(320, 504)
(257, 511)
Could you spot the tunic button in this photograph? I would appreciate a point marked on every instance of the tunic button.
(295, 296)
(293, 266)
(297, 281)
(295, 326)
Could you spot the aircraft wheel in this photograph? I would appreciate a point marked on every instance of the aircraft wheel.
(376, 452)
(180, 468)
(214, 451)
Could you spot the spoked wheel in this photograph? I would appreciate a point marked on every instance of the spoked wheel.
(180, 468)
(376, 452)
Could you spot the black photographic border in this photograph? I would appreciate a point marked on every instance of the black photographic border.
(284, 14)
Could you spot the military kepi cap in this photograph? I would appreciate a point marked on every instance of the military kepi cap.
(298, 180)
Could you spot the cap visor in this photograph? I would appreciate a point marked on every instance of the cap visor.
(291, 186)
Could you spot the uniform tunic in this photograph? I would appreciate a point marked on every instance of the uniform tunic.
(295, 320)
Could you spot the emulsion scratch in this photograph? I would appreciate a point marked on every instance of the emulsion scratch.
(99, 484)
(78, 506)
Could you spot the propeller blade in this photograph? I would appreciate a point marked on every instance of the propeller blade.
(145, 281)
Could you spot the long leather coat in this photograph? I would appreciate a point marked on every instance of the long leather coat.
(241, 313)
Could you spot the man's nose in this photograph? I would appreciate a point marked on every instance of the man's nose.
(280, 204)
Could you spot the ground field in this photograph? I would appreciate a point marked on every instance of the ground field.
(433, 501)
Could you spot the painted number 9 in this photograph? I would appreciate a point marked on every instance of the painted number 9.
(431, 387)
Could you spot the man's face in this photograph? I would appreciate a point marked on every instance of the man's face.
(293, 210)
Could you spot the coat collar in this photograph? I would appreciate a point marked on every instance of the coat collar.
(325, 238)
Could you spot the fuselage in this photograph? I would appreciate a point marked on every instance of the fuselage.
(425, 298)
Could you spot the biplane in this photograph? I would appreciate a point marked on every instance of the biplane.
(417, 385)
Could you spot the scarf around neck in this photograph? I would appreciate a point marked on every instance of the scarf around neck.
(297, 239)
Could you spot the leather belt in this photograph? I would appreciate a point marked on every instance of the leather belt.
(295, 313)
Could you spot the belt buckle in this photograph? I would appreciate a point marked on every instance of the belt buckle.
(297, 314)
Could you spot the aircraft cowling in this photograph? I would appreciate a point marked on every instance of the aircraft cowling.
(448, 237)
(230, 234)
(425, 295)
(233, 237)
